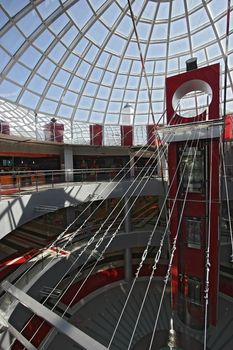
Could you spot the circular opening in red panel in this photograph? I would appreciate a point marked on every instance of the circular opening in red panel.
(192, 98)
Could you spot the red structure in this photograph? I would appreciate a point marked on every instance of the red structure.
(54, 132)
(228, 135)
(96, 135)
(152, 138)
(4, 128)
(126, 135)
(199, 217)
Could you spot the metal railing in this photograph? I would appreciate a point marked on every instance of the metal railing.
(13, 183)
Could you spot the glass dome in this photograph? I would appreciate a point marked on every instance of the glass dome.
(80, 60)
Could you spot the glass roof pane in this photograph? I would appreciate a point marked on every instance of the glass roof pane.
(100, 105)
(157, 50)
(70, 36)
(149, 11)
(12, 6)
(96, 4)
(59, 23)
(62, 77)
(111, 15)
(221, 26)
(9, 90)
(80, 13)
(213, 51)
(121, 81)
(178, 10)
(125, 27)
(3, 18)
(71, 62)
(44, 40)
(97, 33)
(159, 31)
(12, 40)
(30, 57)
(69, 98)
(47, 7)
(90, 89)
(102, 61)
(116, 44)
(178, 27)
(136, 7)
(143, 30)
(37, 84)
(125, 66)
(75, 84)
(117, 94)
(132, 50)
(197, 18)
(163, 12)
(114, 63)
(46, 68)
(216, 7)
(31, 18)
(96, 117)
(48, 106)
(54, 92)
(57, 52)
(85, 102)
(103, 92)
(178, 46)
(92, 53)
(4, 59)
(83, 69)
(19, 74)
(65, 111)
(200, 37)
(29, 100)
(108, 78)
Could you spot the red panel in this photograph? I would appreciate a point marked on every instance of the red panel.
(54, 132)
(96, 134)
(4, 128)
(226, 285)
(152, 138)
(126, 135)
(228, 127)
(209, 75)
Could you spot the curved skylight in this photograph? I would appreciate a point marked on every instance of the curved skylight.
(79, 59)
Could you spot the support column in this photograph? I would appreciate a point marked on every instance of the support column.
(162, 167)
(131, 164)
(128, 253)
(68, 162)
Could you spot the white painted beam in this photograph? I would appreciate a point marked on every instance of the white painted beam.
(19, 336)
(59, 323)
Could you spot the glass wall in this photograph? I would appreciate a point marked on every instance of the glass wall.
(194, 168)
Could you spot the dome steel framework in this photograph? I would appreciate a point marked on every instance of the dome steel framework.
(78, 60)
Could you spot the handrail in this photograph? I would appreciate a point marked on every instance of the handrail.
(17, 182)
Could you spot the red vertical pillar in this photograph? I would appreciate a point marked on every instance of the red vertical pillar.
(54, 132)
(228, 135)
(126, 135)
(58, 132)
(96, 134)
(4, 127)
(189, 264)
(152, 138)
